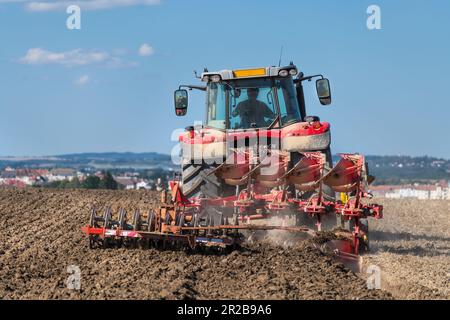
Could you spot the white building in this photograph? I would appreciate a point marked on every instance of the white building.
(438, 191)
(61, 175)
(142, 185)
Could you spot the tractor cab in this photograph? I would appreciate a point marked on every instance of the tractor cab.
(248, 112)
(263, 98)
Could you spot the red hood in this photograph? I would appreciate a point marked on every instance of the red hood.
(210, 135)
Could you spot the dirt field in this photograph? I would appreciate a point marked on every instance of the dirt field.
(411, 245)
(40, 237)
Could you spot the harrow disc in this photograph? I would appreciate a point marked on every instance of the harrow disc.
(107, 218)
(92, 218)
(122, 218)
(137, 220)
(151, 221)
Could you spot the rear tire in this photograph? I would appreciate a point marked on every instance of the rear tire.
(199, 181)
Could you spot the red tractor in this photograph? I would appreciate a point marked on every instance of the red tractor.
(252, 112)
(258, 155)
(257, 109)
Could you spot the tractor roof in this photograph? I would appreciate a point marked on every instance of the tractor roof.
(249, 73)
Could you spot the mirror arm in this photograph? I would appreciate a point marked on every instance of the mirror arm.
(309, 78)
(190, 87)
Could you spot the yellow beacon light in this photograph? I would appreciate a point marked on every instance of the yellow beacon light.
(249, 72)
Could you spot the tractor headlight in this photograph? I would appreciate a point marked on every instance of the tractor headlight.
(216, 78)
(283, 73)
(293, 72)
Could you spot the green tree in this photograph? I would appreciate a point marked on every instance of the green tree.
(91, 182)
(108, 182)
(74, 183)
(54, 184)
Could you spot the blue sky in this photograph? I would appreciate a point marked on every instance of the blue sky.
(67, 91)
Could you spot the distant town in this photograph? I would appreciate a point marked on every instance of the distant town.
(396, 176)
(436, 191)
(113, 170)
(71, 178)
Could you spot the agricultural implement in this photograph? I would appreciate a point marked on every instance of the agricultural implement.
(180, 221)
(258, 156)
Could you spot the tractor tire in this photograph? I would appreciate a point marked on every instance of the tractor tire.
(198, 181)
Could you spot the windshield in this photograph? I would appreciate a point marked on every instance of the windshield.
(287, 99)
(252, 103)
(216, 104)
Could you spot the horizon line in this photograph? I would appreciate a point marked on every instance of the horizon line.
(168, 154)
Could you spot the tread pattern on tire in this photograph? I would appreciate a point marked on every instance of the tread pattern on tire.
(197, 181)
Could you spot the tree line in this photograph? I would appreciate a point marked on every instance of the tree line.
(91, 182)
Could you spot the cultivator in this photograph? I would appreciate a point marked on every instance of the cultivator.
(265, 188)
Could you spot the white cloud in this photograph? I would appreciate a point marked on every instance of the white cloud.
(146, 50)
(68, 58)
(81, 81)
(72, 58)
(61, 5)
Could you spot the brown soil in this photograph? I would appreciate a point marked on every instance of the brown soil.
(411, 245)
(40, 237)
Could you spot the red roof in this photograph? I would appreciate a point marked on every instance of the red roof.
(31, 172)
(15, 183)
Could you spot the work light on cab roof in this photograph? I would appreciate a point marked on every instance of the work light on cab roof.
(218, 76)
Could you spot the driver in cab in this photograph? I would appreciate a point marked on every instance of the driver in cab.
(252, 111)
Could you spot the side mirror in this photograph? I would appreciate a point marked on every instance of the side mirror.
(323, 91)
(181, 102)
